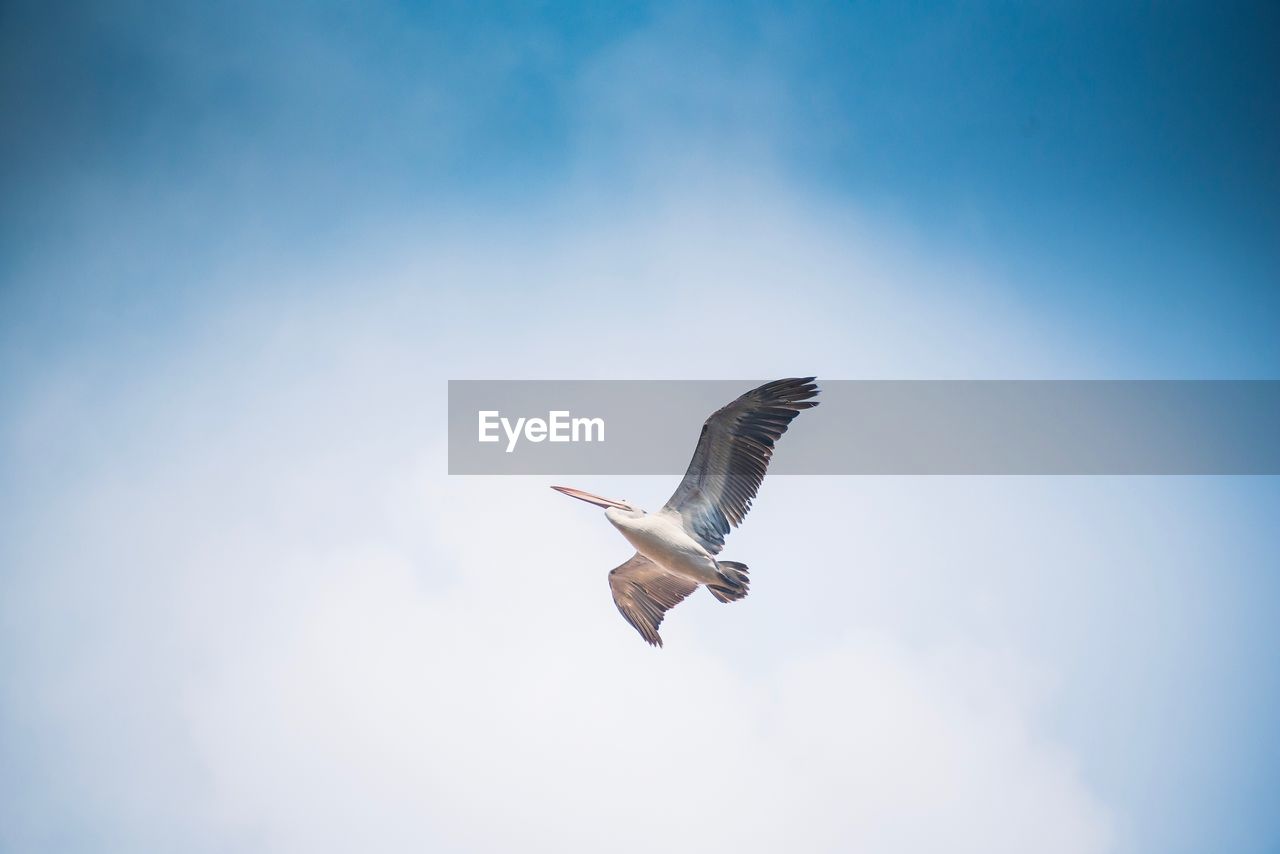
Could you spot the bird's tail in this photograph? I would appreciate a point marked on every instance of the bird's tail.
(735, 584)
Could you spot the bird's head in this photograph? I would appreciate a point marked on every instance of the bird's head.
(599, 501)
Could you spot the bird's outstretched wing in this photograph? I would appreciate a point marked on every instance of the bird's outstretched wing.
(644, 592)
(732, 454)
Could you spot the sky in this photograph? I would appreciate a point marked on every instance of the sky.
(242, 605)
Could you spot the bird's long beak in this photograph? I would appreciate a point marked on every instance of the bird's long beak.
(592, 499)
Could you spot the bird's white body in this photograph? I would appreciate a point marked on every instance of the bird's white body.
(661, 538)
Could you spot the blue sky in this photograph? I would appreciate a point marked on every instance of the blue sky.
(244, 247)
(1116, 160)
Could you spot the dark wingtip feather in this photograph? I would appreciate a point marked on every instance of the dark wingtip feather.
(736, 445)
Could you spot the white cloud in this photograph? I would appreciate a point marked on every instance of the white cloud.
(508, 706)
(269, 621)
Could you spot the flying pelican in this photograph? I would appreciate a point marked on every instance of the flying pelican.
(676, 547)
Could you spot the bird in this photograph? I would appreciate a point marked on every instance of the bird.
(676, 546)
